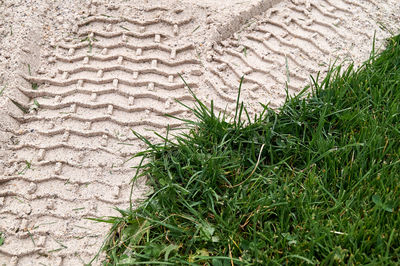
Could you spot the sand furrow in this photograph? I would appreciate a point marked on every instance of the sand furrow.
(111, 20)
(47, 92)
(88, 121)
(139, 59)
(109, 35)
(132, 47)
(104, 81)
(124, 69)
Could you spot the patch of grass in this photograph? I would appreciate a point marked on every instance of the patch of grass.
(316, 182)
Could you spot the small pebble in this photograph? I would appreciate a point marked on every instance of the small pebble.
(32, 188)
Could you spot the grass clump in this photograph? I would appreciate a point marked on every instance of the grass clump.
(315, 183)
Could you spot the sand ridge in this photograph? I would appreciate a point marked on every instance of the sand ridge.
(88, 74)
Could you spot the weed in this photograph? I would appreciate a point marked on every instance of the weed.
(78, 209)
(20, 106)
(31, 237)
(55, 250)
(125, 28)
(2, 90)
(28, 166)
(2, 238)
(36, 105)
(196, 29)
(90, 41)
(245, 51)
(287, 70)
(60, 243)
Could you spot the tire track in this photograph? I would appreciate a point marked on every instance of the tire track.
(286, 44)
(116, 74)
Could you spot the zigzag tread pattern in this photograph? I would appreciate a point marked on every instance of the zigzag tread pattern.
(281, 48)
(119, 74)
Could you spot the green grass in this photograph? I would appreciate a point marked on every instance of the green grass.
(316, 182)
(2, 238)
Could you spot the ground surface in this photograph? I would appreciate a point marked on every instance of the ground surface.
(87, 73)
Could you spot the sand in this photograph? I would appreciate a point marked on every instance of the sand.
(86, 72)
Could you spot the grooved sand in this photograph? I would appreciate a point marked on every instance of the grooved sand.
(102, 68)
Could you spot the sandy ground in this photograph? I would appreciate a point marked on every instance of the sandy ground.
(85, 72)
